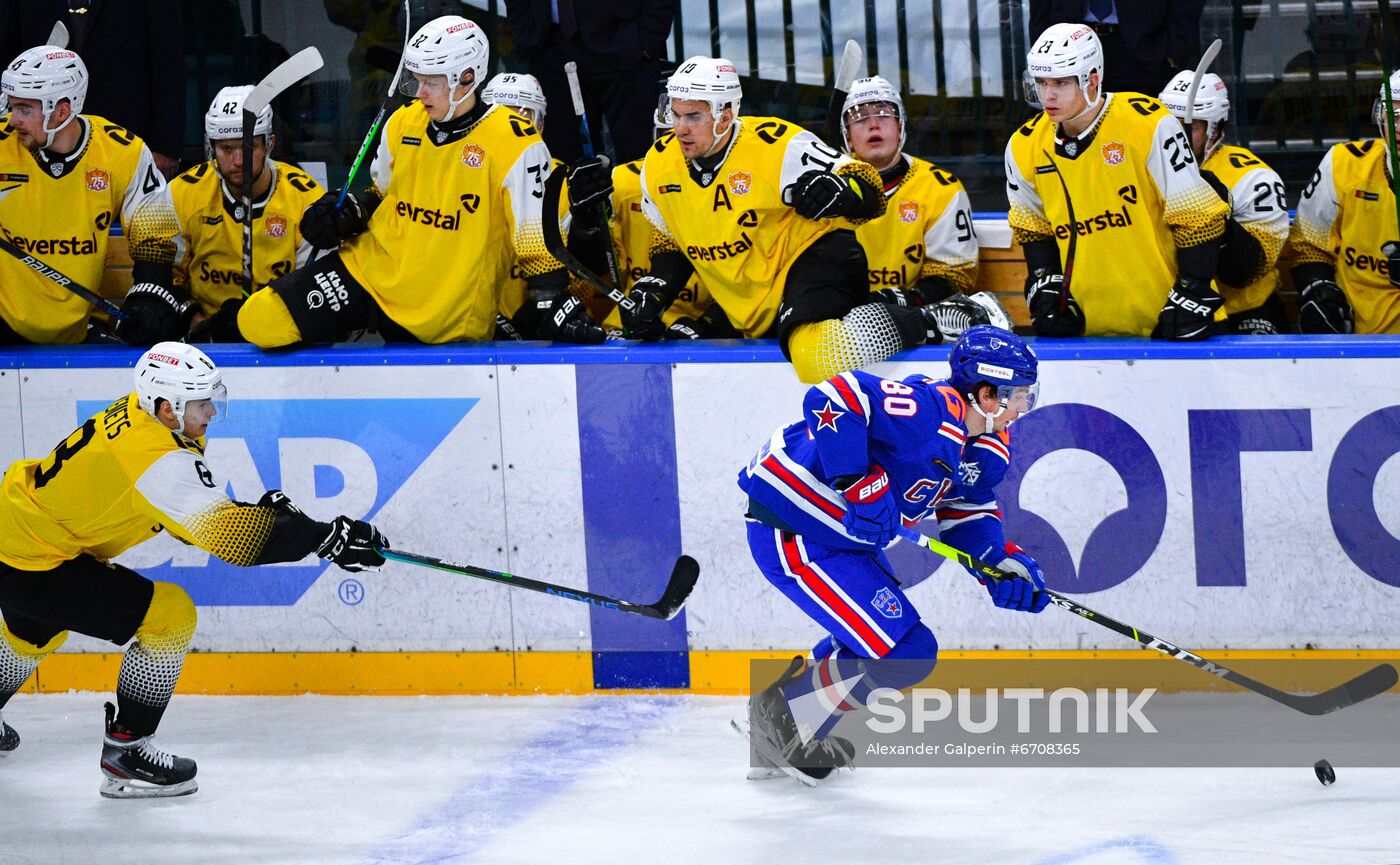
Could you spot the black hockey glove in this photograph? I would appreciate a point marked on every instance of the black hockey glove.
(1053, 310)
(353, 545)
(650, 296)
(590, 181)
(821, 194)
(1189, 312)
(899, 296)
(1323, 308)
(325, 226)
(684, 327)
(558, 315)
(222, 326)
(1391, 250)
(154, 313)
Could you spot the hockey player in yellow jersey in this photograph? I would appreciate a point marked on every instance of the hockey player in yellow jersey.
(208, 203)
(1257, 227)
(923, 250)
(126, 473)
(1146, 229)
(423, 254)
(763, 212)
(1345, 243)
(65, 177)
(692, 315)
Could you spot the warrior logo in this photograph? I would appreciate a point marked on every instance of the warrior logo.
(908, 211)
(98, 180)
(740, 182)
(473, 156)
(276, 225)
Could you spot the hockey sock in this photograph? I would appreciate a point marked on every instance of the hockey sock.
(19, 658)
(867, 334)
(153, 662)
(265, 321)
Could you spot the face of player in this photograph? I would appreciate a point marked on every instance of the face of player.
(1198, 138)
(432, 91)
(27, 117)
(198, 415)
(530, 114)
(873, 130)
(1062, 97)
(1018, 402)
(228, 155)
(695, 126)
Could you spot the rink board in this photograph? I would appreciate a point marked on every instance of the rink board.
(1240, 494)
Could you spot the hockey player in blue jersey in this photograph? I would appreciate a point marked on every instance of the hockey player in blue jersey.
(829, 493)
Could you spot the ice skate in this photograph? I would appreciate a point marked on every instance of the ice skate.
(9, 739)
(779, 747)
(136, 769)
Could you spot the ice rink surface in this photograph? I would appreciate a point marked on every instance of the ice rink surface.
(627, 779)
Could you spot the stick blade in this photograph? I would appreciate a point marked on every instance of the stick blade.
(1371, 683)
(849, 66)
(683, 577)
(292, 70)
(58, 36)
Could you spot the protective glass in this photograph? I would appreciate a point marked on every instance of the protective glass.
(1022, 397)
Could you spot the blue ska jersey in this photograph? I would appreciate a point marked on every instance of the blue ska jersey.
(915, 429)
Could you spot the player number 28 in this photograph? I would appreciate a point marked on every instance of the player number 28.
(898, 403)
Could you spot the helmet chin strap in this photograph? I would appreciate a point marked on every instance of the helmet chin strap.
(1092, 106)
(718, 136)
(990, 418)
(50, 133)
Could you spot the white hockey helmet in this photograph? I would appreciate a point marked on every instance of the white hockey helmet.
(870, 91)
(520, 91)
(1212, 102)
(50, 74)
(178, 373)
(224, 119)
(1377, 107)
(707, 79)
(1064, 51)
(449, 45)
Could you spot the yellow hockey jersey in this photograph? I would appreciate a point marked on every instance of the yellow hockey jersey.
(1137, 195)
(210, 223)
(926, 231)
(454, 218)
(114, 482)
(1346, 213)
(1259, 204)
(60, 212)
(735, 228)
(631, 237)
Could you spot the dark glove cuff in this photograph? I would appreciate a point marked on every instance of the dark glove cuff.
(1199, 261)
(673, 267)
(1042, 255)
(1312, 271)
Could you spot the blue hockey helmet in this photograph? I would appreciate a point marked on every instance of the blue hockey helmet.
(985, 354)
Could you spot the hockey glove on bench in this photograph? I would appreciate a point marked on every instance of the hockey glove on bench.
(1189, 313)
(154, 313)
(325, 226)
(1053, 310)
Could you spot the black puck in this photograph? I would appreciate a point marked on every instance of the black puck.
(1325, 773)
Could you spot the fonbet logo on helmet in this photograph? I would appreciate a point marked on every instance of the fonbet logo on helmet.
(49, 74)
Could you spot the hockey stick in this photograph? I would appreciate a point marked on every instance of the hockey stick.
(58, 278)
(58, 36)
(1073, 233)
(1374, 681)
(1388, 69)
(291, 70)
(683, 576)
(845, 74)
(604, 206)
(554, 243)
(379, 117)
(1206, 59)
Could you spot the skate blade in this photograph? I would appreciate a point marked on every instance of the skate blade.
(127, 788)
(769, 754)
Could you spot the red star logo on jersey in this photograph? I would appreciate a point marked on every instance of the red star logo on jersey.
(826, 418)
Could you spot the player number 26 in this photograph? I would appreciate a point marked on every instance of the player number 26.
(898, 403)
